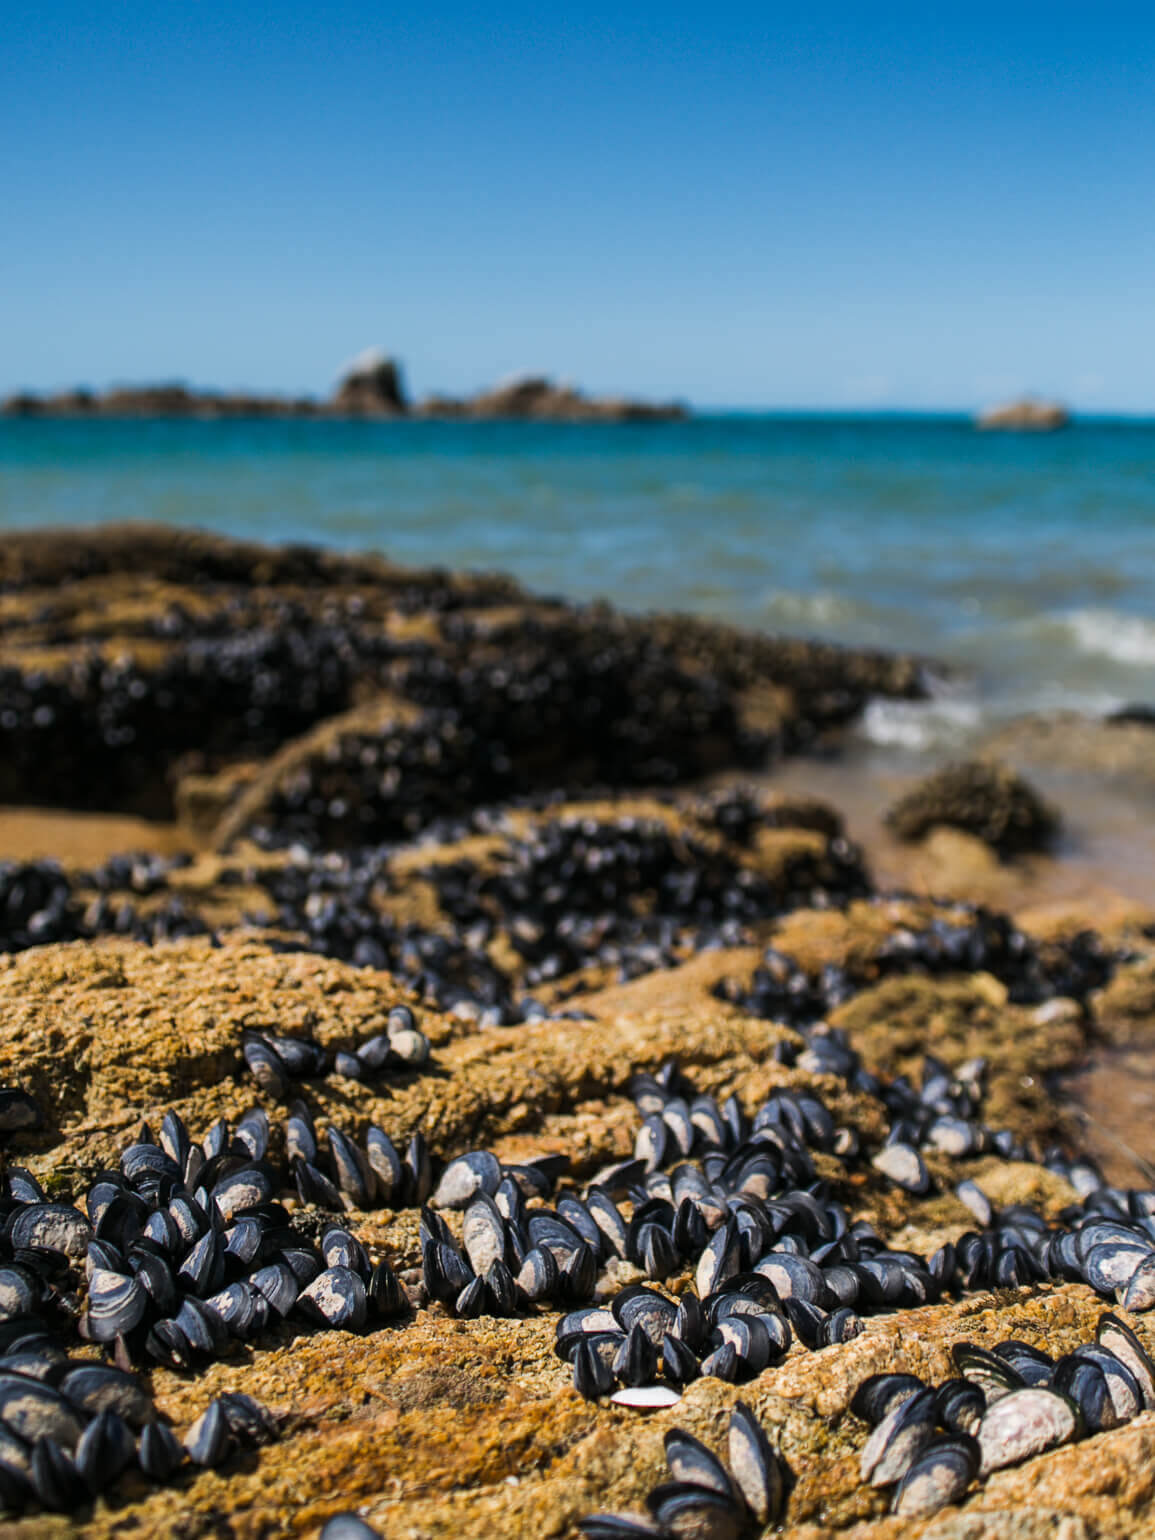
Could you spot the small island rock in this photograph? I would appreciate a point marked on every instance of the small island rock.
(1025, 416)
(982, 798)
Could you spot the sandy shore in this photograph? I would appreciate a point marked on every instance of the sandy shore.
(1105, 852)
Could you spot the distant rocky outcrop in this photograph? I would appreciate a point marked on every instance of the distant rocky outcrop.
(1026, 416)
(538, 398)
(166, 400)
(370, 386)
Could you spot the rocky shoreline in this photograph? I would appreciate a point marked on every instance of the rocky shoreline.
(528, 829)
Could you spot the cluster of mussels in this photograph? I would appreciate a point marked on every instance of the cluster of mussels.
(583, 701)
(276, 1061)
(36, 905)
(257, 646)
(1005, 1405)
(333, 904)
(40, 903)
(618, 893)
(223, 696)
(703, 1498)
(776, 1256)
(71, 1428)
(510, 1258)
(628, 896)
(627, 893)
(968, 939)
(184, 1251)
(188, 1250)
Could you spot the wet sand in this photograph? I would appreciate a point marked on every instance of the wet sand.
(84, 839)
(1117, 1096)
(1105, 853)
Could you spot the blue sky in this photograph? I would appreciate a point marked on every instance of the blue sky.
(778, 205)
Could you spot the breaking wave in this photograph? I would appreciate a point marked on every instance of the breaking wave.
(1111, 634)
(921, 725)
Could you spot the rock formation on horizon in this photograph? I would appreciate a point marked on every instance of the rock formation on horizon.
(370, 386)
(535, 397)
(151, 401)
(1028, 415)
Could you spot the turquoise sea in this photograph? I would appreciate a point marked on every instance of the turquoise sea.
(1026, 563)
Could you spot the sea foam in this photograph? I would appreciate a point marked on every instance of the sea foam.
(1112, 634)
(920, 725)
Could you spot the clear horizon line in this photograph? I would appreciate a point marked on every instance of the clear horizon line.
(695, 409)
(642, 397)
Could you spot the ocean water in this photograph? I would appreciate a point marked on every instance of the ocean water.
(1026, 564)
